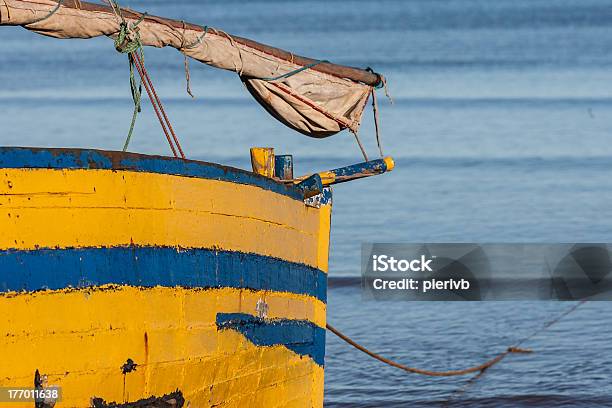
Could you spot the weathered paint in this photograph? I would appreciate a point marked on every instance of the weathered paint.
(283, 166)
(149, 266)
(173, 400)
(389, 162)
(300, 336)
(43, 208)
(81, 339)
(262, 161)
(321, 200)
(311, 186)
(181, 243)
(355, 171)
(36, 158)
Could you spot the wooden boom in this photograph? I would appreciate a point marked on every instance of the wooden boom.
(342, 71)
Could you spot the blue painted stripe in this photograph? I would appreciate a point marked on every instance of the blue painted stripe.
(22, 270)
(300, 336)
(48, 158)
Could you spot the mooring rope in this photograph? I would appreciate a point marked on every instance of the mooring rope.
(475, 369)
(478, 376)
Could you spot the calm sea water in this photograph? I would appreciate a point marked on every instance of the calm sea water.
(501, 130)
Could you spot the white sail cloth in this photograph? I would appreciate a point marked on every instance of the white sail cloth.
(311, 102)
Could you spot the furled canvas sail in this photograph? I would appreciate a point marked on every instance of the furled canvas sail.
(313, 97)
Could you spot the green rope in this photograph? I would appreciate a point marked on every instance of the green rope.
(127, 44)
(52, 12)
(198, 41)
(136, 97)
(296, 71)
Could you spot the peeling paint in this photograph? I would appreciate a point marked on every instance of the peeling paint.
(55, 158)
(106, 255)
(129, 366)
(41, 383)
(261, 307)
(172, 400)
(155, 210)
(299, 336)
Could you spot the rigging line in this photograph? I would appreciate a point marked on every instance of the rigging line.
(382, 83)
(137, 98)
(365, 155)
(124, 43)
(52, 12)
(186, 62)
(8, 12)
(147, 79)
(198, 40)
(153, 103)
(194, 44)
(475, 369)
(386, 88)
(376, 126)
(116, 10)
(233, 44)
(295, 71)
(130, 45)
(188, 76)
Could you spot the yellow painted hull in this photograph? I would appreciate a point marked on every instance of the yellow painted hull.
(126, 277)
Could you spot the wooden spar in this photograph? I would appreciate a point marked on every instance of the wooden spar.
(349, 173)
(342, 71)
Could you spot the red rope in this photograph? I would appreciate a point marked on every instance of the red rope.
(161, 122)
(147, 80)
(481, 368)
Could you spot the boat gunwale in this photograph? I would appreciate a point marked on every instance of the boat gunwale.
(16, 157)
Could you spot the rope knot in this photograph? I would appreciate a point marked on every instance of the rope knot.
(128, 42)
(128, 38)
